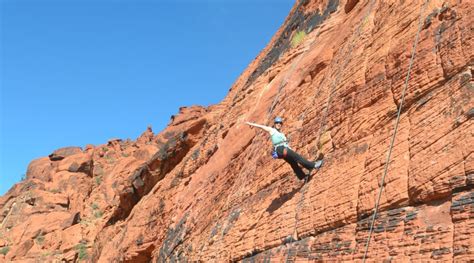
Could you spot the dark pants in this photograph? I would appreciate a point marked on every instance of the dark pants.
(294, 159)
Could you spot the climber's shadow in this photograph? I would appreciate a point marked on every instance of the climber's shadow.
(278, 202)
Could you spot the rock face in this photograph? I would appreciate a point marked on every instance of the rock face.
(206, 188)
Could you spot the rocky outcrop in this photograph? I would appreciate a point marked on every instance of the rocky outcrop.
(62, 153)
(206, 188)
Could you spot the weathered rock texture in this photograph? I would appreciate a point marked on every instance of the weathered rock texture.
(206, 189)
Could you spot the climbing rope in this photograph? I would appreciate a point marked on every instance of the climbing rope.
(395, 129)
(326, 112)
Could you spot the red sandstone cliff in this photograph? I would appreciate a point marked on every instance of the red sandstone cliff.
(206, 189)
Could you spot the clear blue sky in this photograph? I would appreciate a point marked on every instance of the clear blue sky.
(78, 72)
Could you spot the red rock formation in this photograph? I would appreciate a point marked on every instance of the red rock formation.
(206, 189)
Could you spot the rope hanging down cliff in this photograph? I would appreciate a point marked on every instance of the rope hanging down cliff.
(382, 183)
(326, 112)
(328, 103)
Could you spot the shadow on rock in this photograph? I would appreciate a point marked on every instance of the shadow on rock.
(278, 202)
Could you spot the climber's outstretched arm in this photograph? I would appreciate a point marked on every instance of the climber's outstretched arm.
(263, 127)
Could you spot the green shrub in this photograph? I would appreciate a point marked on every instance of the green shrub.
(98, 180)
(40, 239)
(139, 240)
(4, 250)
(98, 214)
(81, 250)
(46, 254)
(55, 191)
(298, 38)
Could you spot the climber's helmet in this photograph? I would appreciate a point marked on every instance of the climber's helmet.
(278, 120)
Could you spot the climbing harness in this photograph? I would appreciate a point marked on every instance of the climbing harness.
(395, 130)
(274, 154)
(284, 152)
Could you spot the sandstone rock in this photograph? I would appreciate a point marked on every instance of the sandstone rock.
(89, 148)
(77, 163)
(206, 190)
(146, 136)
(23, 249)
(64, 152)
(40, 169)
(115, 144)
(71, 237)
(186, 114)
(70, 256)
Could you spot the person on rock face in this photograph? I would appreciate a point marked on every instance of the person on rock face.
(282, 149)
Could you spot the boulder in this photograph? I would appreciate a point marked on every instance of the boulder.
(62, 153)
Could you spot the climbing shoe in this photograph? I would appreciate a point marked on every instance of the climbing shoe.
(318, 164)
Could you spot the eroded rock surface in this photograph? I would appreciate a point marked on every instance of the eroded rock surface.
(206, 189)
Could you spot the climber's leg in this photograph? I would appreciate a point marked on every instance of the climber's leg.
(299, 159)
(283, 153)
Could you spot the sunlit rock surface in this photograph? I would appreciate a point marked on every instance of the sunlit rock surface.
(206, 188)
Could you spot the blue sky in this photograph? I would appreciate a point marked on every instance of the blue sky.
(80, 72)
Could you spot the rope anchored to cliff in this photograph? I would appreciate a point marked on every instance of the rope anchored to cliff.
(326, 112)
(382, 183)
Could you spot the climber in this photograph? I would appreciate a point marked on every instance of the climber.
(281, 149)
